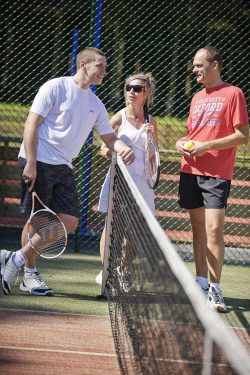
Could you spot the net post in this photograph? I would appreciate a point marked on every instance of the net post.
(108, 223)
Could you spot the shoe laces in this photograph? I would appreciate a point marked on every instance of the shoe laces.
(217, 296)
(17, 276)
(124, 279)
(36, 275)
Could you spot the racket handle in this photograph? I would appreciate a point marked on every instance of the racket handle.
(146, 114)
(25, 200)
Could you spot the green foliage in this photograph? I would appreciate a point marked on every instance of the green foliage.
(12, 119)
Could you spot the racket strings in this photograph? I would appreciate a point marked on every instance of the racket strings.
(47, 233)
(151, 161)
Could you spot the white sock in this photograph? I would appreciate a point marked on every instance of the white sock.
(202, 281)
(19, 258)
(29, 271)
(216, 286)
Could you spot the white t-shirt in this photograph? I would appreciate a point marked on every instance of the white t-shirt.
(136, 138)
(70, 113)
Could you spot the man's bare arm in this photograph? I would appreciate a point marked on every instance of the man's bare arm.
(233, 140)
(30, 145)
(117, 145)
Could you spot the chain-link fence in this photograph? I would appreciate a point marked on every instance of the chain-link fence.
(39, 41)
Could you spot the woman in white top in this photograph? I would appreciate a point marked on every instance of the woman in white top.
(129, 125)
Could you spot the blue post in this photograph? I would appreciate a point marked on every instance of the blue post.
(72, 72)
(87, 158)
(74, 50)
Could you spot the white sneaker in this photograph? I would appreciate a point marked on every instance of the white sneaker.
(204, 290)
(124, 279)
(8, 270)
(98, 278)
(215, 300)
(34, 284)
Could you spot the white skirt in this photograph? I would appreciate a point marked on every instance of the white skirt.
(141, 183)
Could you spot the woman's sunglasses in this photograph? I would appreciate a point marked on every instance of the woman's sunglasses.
(136, 88)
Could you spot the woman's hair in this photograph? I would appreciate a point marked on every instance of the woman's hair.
(149, 84)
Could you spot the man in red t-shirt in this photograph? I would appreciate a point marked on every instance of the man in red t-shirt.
(217, 124)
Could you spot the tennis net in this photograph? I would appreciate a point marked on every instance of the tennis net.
(159, 319)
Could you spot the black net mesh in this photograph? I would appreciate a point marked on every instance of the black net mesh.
(155, 325)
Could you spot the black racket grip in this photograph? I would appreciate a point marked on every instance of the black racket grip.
(146, 114)
(25, 199)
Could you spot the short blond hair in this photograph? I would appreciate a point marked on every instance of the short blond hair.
(149, 84)
(88, 54)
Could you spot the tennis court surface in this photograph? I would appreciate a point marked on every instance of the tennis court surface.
(159, 323)
(49, 343)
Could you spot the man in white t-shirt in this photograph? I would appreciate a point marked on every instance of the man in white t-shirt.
(63, 113)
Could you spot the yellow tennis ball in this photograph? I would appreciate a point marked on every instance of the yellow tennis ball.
(189, 145)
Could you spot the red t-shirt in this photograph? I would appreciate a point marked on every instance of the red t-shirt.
(213, 114)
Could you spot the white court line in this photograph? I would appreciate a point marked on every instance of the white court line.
(102, 355)
(57, 351)
(168, 360)
(53, 312)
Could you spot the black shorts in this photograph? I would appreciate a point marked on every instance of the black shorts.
(203, 191)
(55, 185)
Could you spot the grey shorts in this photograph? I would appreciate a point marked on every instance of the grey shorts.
(55, 185)
(203, 191)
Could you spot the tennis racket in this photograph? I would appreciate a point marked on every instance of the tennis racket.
(46, 232)
(152, 157)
